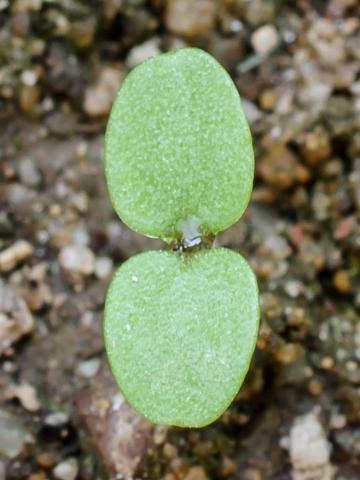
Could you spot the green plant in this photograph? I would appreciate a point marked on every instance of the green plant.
(180, 326)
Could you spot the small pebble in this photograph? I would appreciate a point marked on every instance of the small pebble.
(228, 467)
(344, 228)
(28, 172)
(315, 146)
(100, 96)
(29, 98)
(196, 473)
(27, 5)
(309, 448)
(327, 363)
(281, 169)
(265, 39)
(267, 99)
(295, 316)
(170, 476)
(13, 435)
(294, 288)
(82, 32)
(56, 419)
(253, 114)
(259, 11)
(15, 318)
(160, 434)
(41, 475)
(15, 254)
(66, 470)
(190, 18)
(103, 267)
(77, 259)
(170, 451)
(289, 353)
(252, 474)
(337, 421)
(142, 52)
(88, 368)
(315, 387)
(26, 394)
(80, 201)
(46, 459)
(179, 466)
(341, 282)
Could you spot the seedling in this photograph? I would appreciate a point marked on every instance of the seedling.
(180, 326)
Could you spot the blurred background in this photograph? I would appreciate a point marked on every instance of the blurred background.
(297, 67)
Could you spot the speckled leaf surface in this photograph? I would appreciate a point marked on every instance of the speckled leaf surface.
(178, 147)
(180, 331)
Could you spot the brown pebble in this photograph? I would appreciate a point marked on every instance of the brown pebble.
(38, 476)
(103, 405)
(46, 459)
(341, 281)
(21, 6)
(170, 451)
(196, 473)
(170, 476)
(252, 474)
(160, 433)
(83, 32)
(315, 146)
(261, 342)
(204, 449)
(296, 317)
(190, 18)
(8, 171)
(179, 466)
(228, 467)
(267, 99)
(281, 169)
(29, 98)
(327, 363)
(54, 210)
(242, 419)
(289, 353)
(263, 195)
(300, 198)
(315, 387)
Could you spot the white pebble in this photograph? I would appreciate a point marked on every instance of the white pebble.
(265, 39)
(103, 267)
(309, 448)
(66, 470)
(77, 259)
(88, 368)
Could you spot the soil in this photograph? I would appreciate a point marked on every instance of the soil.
(297, 67)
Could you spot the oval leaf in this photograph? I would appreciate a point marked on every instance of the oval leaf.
(180, 332)
(178, 148)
